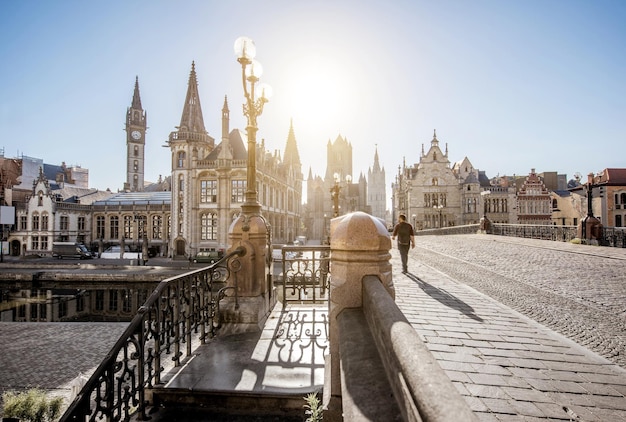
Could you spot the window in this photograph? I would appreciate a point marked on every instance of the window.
(208, 226)
(208, 191)
(62, 308)
(64, 222)
(23, 222)
(114, 223)
(44, 221)
(157, 227)
(238, 191)
(100, 227)
(127, 301)
(35, 221)
(136, 151)
(99, 300)
(618, 221)
(44, 243)
(128, 227)
(35, 243)
(112, 300)
(181, 159)
(135, 165)
(80, 303)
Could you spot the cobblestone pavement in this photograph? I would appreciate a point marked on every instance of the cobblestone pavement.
(50, 355)
(577, 290)
(476, 300)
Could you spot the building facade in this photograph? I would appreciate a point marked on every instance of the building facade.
(209, 182)
(335, 194)
(534, 201)
(434, 194)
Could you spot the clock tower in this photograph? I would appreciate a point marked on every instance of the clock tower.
(136, 125)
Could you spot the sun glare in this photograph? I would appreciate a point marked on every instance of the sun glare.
(318, 91)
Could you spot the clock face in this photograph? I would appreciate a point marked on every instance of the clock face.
(135, 134)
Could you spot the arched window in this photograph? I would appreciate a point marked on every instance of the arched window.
(181, 159)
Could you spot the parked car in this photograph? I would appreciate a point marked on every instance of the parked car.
(70, 250)
(113, 252)
(208, 256)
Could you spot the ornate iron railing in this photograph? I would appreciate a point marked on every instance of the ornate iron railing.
(611, 236)
(535, 231)
(305, 274)
(179, 310)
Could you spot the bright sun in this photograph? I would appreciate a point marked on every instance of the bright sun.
(319, 91)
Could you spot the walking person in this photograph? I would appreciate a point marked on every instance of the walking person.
(406, 238)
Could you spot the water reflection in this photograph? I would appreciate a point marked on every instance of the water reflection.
(72, 304)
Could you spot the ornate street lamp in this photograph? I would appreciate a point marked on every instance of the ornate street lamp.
(334, 193)
(255, 95)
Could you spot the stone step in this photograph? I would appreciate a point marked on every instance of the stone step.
(182, 405)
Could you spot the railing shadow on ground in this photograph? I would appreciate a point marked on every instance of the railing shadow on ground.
(179, 311)
(445, 298)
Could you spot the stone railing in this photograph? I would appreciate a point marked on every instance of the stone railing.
(182, 310)
(379, 368)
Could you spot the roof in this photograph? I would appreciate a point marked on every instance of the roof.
(612, 176)
(84, 196)
(138, 198)
(235, 140)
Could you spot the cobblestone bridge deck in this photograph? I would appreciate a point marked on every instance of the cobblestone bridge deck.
(507, 319)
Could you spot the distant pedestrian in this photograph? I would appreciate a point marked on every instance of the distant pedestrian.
(406, 237)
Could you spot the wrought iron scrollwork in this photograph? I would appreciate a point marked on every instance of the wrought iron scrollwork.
(180, 309)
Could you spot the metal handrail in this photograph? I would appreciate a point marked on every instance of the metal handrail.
(178, 309)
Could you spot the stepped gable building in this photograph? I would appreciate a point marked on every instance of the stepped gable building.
(534, 201)
(209, 181)
(434, 194)
(376, 190)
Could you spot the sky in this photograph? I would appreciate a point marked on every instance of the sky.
(512, 85)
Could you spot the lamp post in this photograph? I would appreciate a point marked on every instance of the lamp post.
(485, 224)
(334, 194)
(255, 95)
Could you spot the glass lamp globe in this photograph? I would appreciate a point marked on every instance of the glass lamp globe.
(264, 91)
(245, 48)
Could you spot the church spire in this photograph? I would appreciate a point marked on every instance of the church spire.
(225, 119)
(136, 104)
(376, 162)
(435, 141)
(292, 156)
(192, 119)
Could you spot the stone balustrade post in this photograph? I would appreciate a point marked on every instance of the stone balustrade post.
(359, 245)
(255, 293)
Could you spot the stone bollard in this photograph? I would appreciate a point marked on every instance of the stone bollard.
(359, 246)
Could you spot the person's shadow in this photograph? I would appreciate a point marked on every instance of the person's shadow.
(445, 298)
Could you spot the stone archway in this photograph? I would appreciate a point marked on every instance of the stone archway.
(15, 247)
(180, 247)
